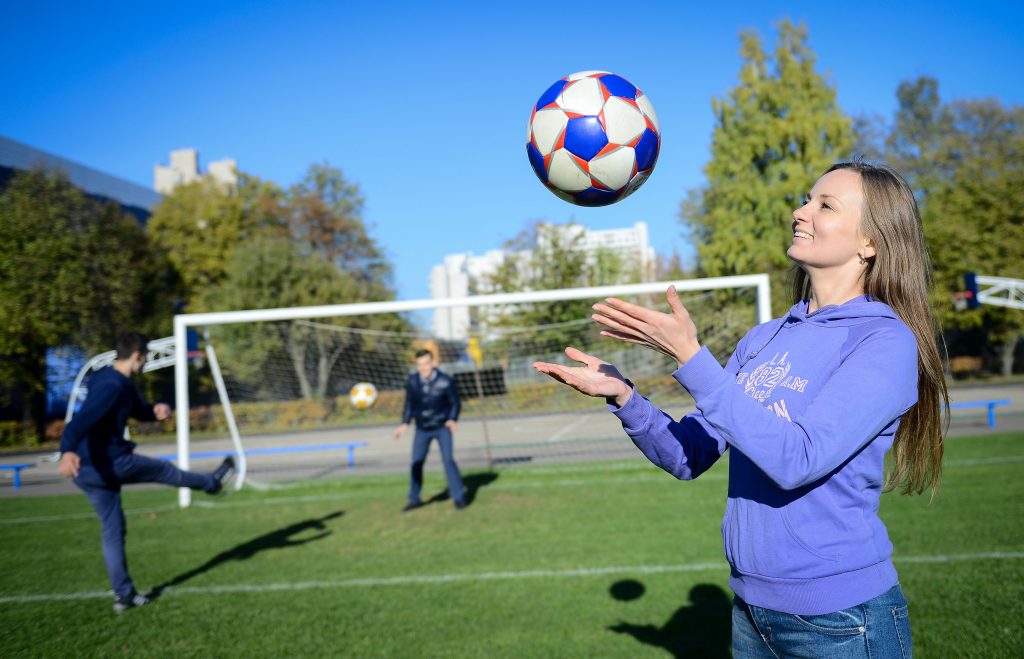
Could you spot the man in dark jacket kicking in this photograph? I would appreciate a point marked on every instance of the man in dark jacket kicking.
(431, 398)
(95, 453)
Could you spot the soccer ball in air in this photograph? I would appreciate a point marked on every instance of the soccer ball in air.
(593, 138)
(363, 395)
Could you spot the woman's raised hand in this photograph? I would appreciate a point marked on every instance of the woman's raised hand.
(672, 334)
(595, 378)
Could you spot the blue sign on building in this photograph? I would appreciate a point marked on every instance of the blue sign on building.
(62, 366)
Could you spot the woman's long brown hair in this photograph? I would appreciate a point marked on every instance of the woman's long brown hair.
(900, 275)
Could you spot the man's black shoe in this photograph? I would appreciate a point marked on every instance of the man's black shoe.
(122, 604)
(460, 504)
(224, 474)
(412, 505)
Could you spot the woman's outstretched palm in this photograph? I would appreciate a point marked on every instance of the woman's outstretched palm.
(672, 334)
(595, 378)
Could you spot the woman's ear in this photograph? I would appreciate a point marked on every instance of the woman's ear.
(868, 250)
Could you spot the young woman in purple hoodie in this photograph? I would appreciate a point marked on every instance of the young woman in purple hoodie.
(808, 404)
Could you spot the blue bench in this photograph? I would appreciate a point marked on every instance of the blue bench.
(990, 404)
(17, 472)
(351, 446)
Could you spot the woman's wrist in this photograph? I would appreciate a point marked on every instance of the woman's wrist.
(620, 399)
(686, 354)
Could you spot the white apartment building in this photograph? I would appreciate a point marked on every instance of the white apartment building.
(184, 168)
(461, 275)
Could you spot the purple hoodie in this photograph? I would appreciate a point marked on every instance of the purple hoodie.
(809, 405)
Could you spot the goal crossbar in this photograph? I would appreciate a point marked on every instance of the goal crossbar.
(1001, 291)
(183, 322)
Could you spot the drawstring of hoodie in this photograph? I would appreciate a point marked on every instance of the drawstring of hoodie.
(780, 323)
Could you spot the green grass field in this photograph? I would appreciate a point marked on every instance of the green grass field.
(585, 560)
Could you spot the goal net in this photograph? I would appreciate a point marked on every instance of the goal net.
(288, 374)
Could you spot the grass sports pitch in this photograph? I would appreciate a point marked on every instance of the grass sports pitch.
(612, 559)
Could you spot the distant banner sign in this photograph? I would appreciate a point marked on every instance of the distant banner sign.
(491, 382)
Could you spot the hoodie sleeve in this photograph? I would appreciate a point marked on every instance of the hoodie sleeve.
(407, 406)
(141, 409)
(454, 405)
(97, 404)
(872, 387)
(685, 448)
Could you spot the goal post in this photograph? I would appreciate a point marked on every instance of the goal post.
(994, 291)
(488, 309)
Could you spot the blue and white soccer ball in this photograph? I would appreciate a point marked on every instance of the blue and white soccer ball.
(593, 138)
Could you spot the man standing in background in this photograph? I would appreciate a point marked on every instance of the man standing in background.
(431, 398)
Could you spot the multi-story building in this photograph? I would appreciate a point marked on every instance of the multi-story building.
(133, 198)
(461, 275)
(184, 168)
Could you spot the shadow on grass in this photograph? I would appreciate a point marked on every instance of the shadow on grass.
(470, 484)
(280, 539)
(699, 629)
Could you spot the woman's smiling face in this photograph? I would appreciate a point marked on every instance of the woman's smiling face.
(827, 228)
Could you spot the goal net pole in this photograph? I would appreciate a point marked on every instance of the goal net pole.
(225, 401)
(183, 322)
(487, 432)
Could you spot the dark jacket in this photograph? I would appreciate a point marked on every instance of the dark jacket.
(96, 431)
(431, 403)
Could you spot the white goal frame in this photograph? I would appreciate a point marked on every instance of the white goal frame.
(1001, 291)
(183, 322)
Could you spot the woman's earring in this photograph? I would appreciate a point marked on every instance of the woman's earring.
(862, 259)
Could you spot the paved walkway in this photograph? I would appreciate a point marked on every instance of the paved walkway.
(543, 439)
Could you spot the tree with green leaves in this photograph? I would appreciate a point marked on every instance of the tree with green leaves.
(916, 131)
(273, 271)
(774, 135)
(547, 257)
(73, 272)
(258, 246)
(965, 160)
(199, 225)
(323, 212)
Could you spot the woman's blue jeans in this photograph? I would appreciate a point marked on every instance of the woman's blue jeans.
(878, 628)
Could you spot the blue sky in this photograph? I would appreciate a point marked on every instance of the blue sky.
(425, 105)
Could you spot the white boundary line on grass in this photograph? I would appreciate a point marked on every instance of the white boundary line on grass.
(339, 496)
(480, 576)
(971, 462)
(563, 482)
(575, 423)
(89, 515)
